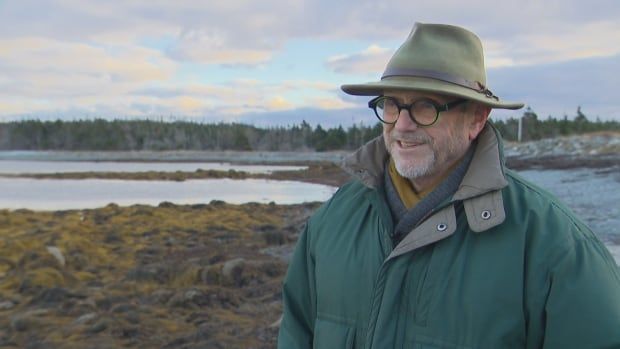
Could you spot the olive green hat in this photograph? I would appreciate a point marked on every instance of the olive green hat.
(437, 58)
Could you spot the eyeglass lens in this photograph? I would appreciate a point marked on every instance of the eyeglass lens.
(423, 112)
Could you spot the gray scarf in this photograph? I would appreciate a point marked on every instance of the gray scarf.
(407, 220)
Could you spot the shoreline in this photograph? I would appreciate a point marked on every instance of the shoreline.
(329, 172)
(206, 275)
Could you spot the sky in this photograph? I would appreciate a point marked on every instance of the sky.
(278, 62)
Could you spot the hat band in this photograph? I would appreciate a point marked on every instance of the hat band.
(432, 74)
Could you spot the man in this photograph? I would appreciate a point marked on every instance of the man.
(436, 244)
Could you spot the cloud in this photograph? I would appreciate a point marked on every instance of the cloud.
(215, 47)
(125, 57)
(567, 43)
(558, 88)
(37, 67)
(226, 101)
(372, 60)
(244, 32)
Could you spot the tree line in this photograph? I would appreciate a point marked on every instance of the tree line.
(534, 128)
(132, 135)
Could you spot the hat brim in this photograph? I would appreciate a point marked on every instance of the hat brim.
(426, 85)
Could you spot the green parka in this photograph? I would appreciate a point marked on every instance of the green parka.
(501, 264)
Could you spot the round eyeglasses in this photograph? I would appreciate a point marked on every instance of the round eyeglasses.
(424, 112)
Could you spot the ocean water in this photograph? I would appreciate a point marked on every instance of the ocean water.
(593, 194)
(30, 166)
(65, 194)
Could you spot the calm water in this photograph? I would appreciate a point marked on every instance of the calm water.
(27, 166)
(55, 194)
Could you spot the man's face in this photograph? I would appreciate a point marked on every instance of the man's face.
(425, 152)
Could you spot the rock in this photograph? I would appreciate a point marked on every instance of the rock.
(50, 297)
(6, 305)
(277, 323)
(127, 332)
(161, 296)
(28, 320)
(85, 318)
(99, 326)
(55, 251)
(133, 317)
(232, 272)
(112, 238)
(123, 308)
(282, 252)
(191, 297)
(274, 237)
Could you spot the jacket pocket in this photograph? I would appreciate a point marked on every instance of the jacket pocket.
(330, 334)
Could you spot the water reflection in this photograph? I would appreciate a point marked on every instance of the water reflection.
(53, 194)
(19, 166)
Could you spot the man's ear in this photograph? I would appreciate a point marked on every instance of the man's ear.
(479, 116)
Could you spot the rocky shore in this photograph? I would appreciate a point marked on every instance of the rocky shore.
(200, 276)
(597, 150)
(181, 276)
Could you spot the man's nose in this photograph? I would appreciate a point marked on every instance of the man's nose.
(405, 121)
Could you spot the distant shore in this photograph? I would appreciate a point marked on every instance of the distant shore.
(329, 172)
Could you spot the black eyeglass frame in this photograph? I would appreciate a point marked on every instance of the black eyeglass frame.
(439, 108)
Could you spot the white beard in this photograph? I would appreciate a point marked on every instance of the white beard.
(415, 170)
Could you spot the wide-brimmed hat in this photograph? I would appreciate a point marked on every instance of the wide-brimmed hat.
(437, 58)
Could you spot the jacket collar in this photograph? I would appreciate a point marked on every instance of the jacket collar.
(486, 171)
(479, 189)
(368, 162)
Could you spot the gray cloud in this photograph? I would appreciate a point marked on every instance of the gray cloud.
(368, 62)
(555, 89)
(266, 25)
(544, 40)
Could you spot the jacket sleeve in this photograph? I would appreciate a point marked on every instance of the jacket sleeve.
(299, 298)
(582, 309)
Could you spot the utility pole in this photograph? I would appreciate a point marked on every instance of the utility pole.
(520, 129)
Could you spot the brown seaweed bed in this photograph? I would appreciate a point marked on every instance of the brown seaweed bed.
(199, 276)
(172, 276)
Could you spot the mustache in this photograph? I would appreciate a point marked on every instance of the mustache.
(410, 137)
